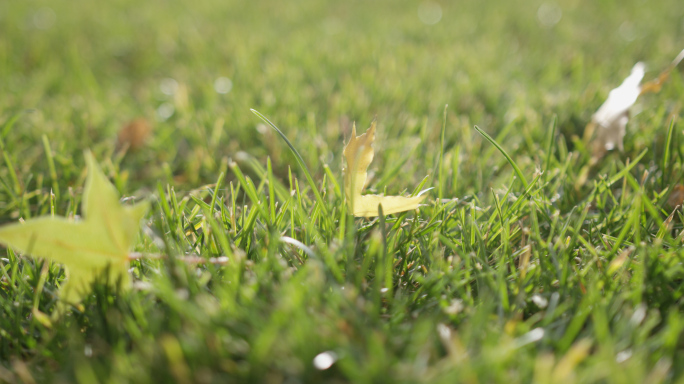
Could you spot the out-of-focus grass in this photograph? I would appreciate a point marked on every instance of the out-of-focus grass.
(576, 279)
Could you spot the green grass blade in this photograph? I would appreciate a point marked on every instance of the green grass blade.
(301, 162)
(503, 152)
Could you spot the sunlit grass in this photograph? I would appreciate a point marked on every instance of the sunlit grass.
(551, 269)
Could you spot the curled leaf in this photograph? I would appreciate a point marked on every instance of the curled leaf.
(359, 154)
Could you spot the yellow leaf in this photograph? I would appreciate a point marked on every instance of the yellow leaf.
(86, 247)
(359, 154)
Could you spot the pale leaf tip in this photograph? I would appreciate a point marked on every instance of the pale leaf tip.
(90, 158)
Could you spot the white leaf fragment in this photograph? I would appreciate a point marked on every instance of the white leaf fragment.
(611, 118)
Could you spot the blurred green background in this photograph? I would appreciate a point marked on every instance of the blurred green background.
(78, 72)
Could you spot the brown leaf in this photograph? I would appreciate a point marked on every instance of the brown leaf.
(135, 134)
(676, 196)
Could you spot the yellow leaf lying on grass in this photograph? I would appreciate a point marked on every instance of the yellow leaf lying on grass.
(86, 247)
(359, 154)
(607, 126)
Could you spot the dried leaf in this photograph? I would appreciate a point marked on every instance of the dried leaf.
(676, 198)
(610, 120)
(86, 247)
(359, 154)
(607, 127)
(134, 134)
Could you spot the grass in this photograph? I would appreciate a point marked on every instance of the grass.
(543, 268)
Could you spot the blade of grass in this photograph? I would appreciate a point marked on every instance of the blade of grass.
(440, 172)
(503, 152)
(301, 162)
(668, 146)
(549, 146)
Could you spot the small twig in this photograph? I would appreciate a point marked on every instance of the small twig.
(191, 259)
(656, 84)
(221, 260)
(138, 255)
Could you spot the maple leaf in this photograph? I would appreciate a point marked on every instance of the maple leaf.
(88, 247)
(359, 154)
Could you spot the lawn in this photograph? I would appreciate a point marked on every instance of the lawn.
(249, 267)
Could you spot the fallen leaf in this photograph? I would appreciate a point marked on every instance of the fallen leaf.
(359, 154)
(134, 134)
(607, 126)
(676, 198)
(88, 247)
(610, 120)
